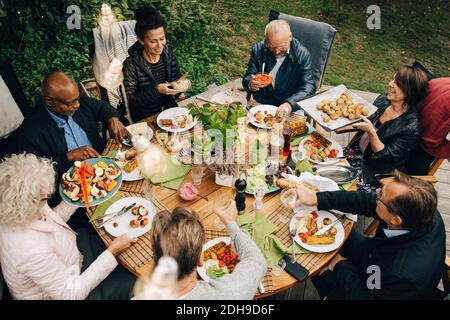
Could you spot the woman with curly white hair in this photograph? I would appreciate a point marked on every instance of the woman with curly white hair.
(39, 252)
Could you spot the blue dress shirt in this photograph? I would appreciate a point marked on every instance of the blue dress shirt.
(75, 136)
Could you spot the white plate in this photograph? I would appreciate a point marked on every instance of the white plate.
(124, 220)
(334, 145)
(320, 248)
(134, 175)
(172, 113)
(309, 106)
(228, 96)
(263, 107)
(202, 270)
(149, 135)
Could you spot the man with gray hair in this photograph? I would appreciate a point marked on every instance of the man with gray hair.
(289, 64)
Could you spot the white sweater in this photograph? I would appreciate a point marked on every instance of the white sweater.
(243, 282)
(43, 260)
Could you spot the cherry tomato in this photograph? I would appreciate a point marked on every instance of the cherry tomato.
(315, 215)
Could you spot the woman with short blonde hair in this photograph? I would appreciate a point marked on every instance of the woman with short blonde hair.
(39, 255)
(181, 235)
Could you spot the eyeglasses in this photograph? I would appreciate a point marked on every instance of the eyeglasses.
(66, 103)
(379, 193)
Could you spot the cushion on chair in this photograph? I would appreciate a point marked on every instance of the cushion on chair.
(316, 36)
(435, 118)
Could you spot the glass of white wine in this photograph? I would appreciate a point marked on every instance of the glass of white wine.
(288, 198)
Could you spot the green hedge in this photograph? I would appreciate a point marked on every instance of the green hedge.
(36, 40)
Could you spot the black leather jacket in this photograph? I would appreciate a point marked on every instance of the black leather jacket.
(143, 98)
(294, 78)
(400, 137)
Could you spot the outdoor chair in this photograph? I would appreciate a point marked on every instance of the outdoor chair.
(316, 36)
(112, 43)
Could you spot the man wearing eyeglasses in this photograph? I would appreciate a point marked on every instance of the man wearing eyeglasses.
(405, 258)
(63, 124)
(289, 64)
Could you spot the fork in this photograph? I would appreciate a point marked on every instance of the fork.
(292, 231)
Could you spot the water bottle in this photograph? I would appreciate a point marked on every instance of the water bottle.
(162, 284)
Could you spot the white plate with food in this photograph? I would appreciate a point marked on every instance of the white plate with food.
(135, 222)
(228, 97)
(219, 259)
(337, 107)
(263, 116)
(176, 120)
(135, 129)
(308, 222)
(321, 150)
(127, 161)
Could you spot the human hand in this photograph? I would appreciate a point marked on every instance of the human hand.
(121, 244)
(284, 107)
(305, 197)
(365, 126)
(82, 153)
(116, 129)
(165, 88)
(255, 85)
(227, 214)
(338, 258)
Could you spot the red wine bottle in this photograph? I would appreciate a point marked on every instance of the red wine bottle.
(286, 134)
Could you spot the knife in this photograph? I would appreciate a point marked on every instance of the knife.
(325, 229)
(121, 212)
(109, 214)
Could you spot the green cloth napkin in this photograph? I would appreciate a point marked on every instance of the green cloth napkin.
(111, 154)
(262, 231)
(173, 176)
(101, 208)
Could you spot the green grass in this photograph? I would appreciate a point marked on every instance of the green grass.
(361, 58)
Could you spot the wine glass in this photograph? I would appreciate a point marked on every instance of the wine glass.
(147, 190)
(221, 202)
(288, 198)
(278, 268)
(197, 174)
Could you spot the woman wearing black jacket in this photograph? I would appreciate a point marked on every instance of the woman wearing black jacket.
(389, 135)
(151, 67)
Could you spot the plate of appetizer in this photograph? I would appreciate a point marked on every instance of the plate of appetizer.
(307, 223)
(100, 177)
(321, 150)
(135, 222)
(176, 120)
(337, 107)
(263, 116)
(219, 259)
(127, 161)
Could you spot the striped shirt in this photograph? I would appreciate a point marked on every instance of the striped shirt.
(158, 70)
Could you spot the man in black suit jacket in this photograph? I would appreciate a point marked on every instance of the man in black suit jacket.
(63, 124)
(405, 258)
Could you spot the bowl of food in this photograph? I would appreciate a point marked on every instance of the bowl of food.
(263, 78)
(181, 85)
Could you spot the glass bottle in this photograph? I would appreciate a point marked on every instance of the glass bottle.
(162, 284)
(286, 134)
